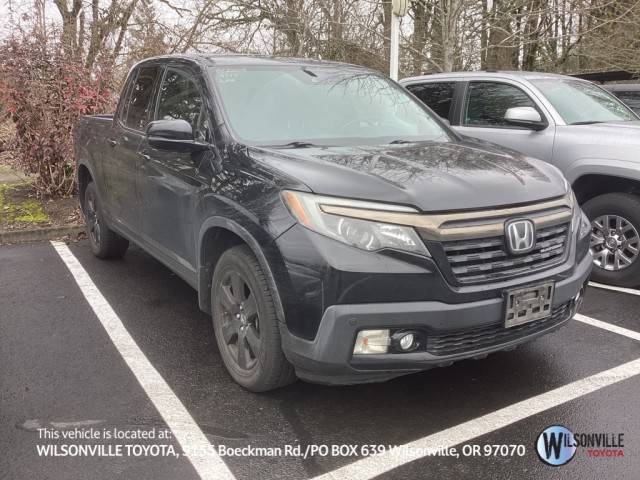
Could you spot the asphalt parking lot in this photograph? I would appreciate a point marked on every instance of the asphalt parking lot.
(63, 367)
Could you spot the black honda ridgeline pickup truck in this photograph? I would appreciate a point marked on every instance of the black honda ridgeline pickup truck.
(332, 225)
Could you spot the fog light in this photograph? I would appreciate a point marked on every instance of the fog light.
(406, 342)
(371, 342)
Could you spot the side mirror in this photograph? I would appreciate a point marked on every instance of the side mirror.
(173, 135)
(527, 117)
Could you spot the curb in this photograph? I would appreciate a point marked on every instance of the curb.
(39, 234)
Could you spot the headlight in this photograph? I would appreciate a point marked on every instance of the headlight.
(585, 225)
(363, 234)
(580, 220)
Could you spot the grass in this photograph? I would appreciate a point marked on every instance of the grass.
(16, 208)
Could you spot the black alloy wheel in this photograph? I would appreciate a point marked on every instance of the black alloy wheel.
(245, 322)
(240, 322)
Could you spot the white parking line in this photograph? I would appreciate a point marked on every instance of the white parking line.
(608, 326)
(207, 464)
(631, 291)
(370, 467)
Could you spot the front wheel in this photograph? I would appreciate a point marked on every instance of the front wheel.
(245, 323)
(615, 238)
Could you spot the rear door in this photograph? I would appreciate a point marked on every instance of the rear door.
(122, 160)
(482, 116)
(438, 96)
(170, 181)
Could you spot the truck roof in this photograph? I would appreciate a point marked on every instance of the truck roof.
(623, 87)
(213, 59)
(485, 74)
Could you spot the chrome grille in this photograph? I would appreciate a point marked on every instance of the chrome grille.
(487, 259)
(478, 338)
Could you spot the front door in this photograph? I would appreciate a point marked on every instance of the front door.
(171, 181)
(483, 111)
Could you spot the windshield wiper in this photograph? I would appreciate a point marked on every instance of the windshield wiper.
(399, 141)
(296, 144)
(587, 122)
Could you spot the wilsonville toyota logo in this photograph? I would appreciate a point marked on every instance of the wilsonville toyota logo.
(556, 445)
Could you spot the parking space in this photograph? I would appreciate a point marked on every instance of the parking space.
(60, 365)
(60, 368)
(580, 414)
(619, 308)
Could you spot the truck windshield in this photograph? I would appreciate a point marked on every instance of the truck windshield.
(582, 103)
(298, 106)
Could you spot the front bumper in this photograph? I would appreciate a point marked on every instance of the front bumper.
(328, 357)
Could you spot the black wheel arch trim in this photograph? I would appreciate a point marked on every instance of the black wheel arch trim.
(204, 273)
(106, 214)
(87, 165)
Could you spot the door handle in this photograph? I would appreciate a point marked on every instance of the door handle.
(112, 142)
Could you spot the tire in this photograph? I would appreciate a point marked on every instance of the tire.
(105, 243)
(617, 214)
(245, 323)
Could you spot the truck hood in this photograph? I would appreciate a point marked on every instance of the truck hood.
(435, 176)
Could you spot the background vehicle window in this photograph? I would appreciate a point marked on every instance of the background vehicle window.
(140, 100)
(487, 103)
(180, 99)
(437, 96)
(631, 99)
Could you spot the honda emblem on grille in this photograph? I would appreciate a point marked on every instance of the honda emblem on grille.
(521, 235)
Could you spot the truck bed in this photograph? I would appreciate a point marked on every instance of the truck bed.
(90, 134)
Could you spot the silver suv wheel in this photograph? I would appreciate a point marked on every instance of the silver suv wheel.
(615, 242)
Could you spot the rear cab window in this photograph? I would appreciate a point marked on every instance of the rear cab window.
(438, 96)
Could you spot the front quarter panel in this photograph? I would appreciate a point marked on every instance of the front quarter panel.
(244, 199)
(580, 150)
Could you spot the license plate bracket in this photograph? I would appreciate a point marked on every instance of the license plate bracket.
(528, 304)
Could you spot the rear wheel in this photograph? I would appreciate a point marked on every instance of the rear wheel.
(245, 323)
(615, 238)
(105, 243)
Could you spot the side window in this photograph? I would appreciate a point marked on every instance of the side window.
(437, 96)
(487, 103)
(140, 98)
(180, 99)
(123, 105)
(631, 99)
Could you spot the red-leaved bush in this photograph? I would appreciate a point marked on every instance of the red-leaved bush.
(44, 92)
